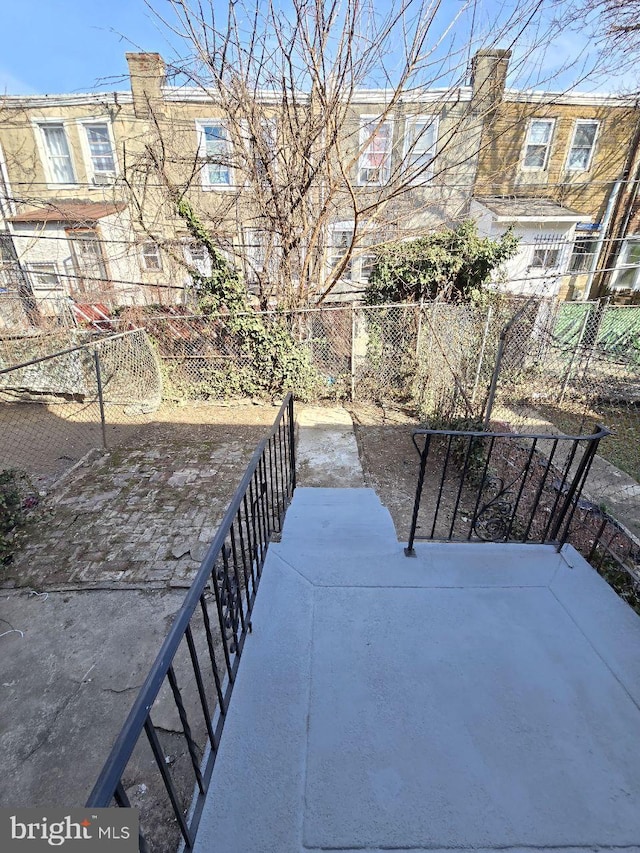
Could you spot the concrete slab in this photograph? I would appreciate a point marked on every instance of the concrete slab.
(492, 703)
(326, 451)
(68, 677)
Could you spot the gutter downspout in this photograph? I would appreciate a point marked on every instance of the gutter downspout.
(611, 201)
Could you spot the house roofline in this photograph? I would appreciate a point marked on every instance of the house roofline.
(76, 100)
(587, 99)
(195, 94)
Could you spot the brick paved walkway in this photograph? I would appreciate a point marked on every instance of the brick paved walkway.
(145, 512)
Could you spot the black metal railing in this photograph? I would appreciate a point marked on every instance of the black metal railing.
(202, 651)
(498, 487)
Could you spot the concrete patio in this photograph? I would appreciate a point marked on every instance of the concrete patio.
(478, 697)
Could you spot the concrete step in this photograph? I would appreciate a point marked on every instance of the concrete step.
(432, 719)
(346, 537)
(332, 517)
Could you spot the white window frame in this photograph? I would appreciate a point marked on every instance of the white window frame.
(201, 124)
(423, 175)
(250, 155)
(145, 255)
(623, 265)
(578, 122)
(7, 204)
(43, 150)
(188, 245)
(36, 268)
(546, 245)
(363, 136)
(86, 151)
(552, 123)
(254, 252)
(333, 258)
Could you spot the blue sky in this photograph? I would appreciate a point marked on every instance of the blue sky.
(49, 46)
(59, 46)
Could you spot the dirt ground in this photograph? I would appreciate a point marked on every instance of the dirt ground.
(48, 439)
(389, 458)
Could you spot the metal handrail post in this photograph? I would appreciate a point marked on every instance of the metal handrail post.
(410, 550)
(292, 444)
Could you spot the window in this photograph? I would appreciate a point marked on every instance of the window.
(151, 259)
(255, 251)
(45, 277)
(582, 255)
(88, 260)
(374, 167)
(367, 262)
(100, 150)
(60, 166)
(581, 151)
(215, 150)
(197, 256)
(546, 257)
(265, 150)
(420, 140)
(627, 276)
(341, 237)
(538, 143)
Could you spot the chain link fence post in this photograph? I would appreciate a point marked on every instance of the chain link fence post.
(483, 347)
(103, 422)
(494, 377)
(353, 353)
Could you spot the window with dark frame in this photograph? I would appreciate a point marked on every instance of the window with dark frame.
(582, 254)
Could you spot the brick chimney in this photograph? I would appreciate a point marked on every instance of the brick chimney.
(147, 73)
(488, 76)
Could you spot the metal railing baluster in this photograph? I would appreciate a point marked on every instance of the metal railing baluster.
(234, 560)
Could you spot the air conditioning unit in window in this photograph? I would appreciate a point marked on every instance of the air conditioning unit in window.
(101, 179)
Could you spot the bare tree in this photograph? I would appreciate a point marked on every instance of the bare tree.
(612, 29)
(343, 127)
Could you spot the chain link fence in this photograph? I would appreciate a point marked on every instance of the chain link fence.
(60, 395)
(513, 361)
(576, 365)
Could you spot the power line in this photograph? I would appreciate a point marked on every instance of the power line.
(545, 240)
(427, 184)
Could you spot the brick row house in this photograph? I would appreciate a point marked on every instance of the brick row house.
(556, 168)
(89, 188)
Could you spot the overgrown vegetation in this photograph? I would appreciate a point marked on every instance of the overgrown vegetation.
(14, 502)
(269, 361)
(452, 264)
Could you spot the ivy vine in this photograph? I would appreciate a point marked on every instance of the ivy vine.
(271, 361)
